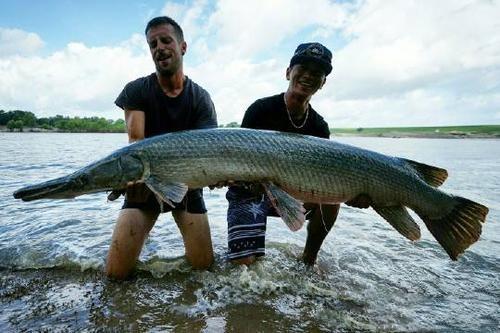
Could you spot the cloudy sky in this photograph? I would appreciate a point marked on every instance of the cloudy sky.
(396, 62)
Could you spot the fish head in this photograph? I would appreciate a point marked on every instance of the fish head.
(112, 172)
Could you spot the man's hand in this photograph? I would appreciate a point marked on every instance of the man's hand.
(115, 194)
(221, 184)
(255, 188)
(135, 192)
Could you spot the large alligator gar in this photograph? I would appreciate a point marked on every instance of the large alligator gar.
(292, 168)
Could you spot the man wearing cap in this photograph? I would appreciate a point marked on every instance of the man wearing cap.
(288, 112)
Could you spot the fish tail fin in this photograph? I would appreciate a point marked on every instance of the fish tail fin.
(432, 175)
(460, 228)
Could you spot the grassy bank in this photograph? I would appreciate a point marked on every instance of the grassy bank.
(475, 131)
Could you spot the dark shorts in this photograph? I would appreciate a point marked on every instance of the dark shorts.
(247, 218)
(192, 203)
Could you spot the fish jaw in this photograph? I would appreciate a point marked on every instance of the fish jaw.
(59, 188)
(113, 172)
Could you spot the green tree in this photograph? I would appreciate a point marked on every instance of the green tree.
(11, 125)
(233, 124)
(15, 124)
(28, 119)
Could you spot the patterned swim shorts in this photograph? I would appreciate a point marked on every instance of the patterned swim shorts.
(247, 218)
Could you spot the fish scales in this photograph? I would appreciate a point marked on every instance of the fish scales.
(309, 169)
(295, 162)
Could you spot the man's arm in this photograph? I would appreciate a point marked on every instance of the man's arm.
(136, 125)
(205, 111)
(251, 118)
(135, 121)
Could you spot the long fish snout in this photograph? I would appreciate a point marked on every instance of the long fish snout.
(109, 173)
(59, 188)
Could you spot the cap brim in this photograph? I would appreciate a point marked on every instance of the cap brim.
(327, 67)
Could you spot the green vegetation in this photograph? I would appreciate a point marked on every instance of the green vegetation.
(20, 120)
(232, 124)
(432, 132)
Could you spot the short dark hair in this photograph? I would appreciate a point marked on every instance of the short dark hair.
(160, 20)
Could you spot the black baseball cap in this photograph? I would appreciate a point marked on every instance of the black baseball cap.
(313, 52)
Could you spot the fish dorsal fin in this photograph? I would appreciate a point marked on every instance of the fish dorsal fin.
(432, 175)
(167, 192)
(400, 219)
(290, 209)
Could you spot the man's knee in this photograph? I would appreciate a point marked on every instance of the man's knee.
(131, 229)
(195, 232)
(323, 218)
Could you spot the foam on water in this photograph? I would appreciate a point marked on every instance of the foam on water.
(368, 277)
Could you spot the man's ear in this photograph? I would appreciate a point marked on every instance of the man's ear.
(288, 73)
(183, 47)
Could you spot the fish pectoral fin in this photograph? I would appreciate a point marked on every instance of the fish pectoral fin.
(401, 220)
(167, 192)
(290, 209)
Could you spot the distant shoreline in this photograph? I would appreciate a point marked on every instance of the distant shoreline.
(400, 135)
(436, 132)
(445, 132)
(4, 129)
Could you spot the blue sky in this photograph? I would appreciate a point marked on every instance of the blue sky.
(92, 22)
(396, 63)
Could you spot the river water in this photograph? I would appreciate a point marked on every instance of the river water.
(368, 277)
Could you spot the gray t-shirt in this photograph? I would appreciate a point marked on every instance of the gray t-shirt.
(191, 109)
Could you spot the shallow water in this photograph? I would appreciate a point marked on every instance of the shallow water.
(368, 277)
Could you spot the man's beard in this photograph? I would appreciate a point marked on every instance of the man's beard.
(168, 71)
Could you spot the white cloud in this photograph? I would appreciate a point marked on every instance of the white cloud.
(18, 42)
(189, 16)
(234, 85)
(228, 45)
(405, 43)
(76, 81)
(398, 63)
(245, 30)
(441, 49)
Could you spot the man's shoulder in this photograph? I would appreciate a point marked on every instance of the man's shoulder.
(194, 88)
(318, 118)
(269, 99)
(265, 103)
(143, 80)
(319, 123)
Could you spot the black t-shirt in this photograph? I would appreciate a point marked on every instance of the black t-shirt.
(270, 113)
(191, 109)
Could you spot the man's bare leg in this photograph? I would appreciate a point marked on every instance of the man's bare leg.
(318, 227)
(131, 229)
(196, 236)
